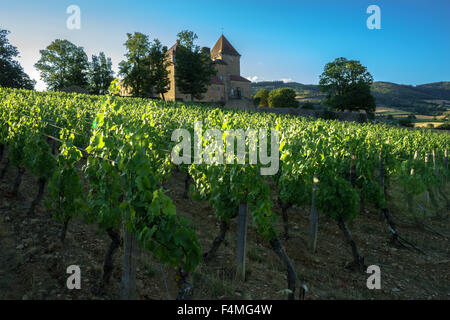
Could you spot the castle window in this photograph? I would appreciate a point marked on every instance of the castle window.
(221, 77)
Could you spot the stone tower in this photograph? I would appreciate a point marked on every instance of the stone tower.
(223, 50)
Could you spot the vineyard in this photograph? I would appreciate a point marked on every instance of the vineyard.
(100, 167)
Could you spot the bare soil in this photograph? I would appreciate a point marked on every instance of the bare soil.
(33, 261)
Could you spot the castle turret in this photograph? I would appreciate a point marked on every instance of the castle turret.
(225, 51)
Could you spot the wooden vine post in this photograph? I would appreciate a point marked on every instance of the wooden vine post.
(313, 218)
(427, 159)
(445, 175)
(416, 155)
(241, 241)
(353, 171)
(446, 159)
(352, 175)
(54, 142)
(409, 196)
(444, 182)
(382, 173)
(128, 282)
(434, 162)
(430, 192)
(385, 210)
(445, 166)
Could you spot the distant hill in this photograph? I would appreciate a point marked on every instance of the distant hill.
(425, 98)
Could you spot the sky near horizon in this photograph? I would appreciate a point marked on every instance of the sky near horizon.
(279, 40)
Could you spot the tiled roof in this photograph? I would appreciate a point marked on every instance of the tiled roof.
(224, 46)
(173, 48)
(238, 78)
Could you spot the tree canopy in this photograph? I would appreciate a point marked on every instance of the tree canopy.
(136, 69)
(159, 67)
(11, 72)
(347, 84)
(283, 98)
(262, 97)
(63, 64)
(145, 71)
(193, 66)
(100, 74)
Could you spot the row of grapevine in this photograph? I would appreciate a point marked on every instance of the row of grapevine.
(125, 147)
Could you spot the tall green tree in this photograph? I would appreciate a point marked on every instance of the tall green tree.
(100, 74)
(63, 64)
(136, 70)
(283, 98)
(262, 97)
(11, 72)
(159, 68)
(193, 67)
(347, 84)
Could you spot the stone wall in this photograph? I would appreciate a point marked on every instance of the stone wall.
(240, 104)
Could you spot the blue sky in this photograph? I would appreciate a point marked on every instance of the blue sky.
(277, 39)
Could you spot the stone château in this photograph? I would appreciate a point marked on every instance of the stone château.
(227, 87)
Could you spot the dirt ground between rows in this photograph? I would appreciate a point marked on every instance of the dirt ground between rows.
(33, 262)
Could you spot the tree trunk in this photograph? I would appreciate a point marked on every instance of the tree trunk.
(385, 211)
(64, 229)
(187, 182)
(37, 200)
(284, 213)
(5, 168)
(115, 244)
(291, 275)
(18, 181)
(186, 290)
(217, 242)
(391, 225)
(108, 265)
(358, 260)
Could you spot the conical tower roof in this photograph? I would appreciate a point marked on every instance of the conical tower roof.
(223, 46)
